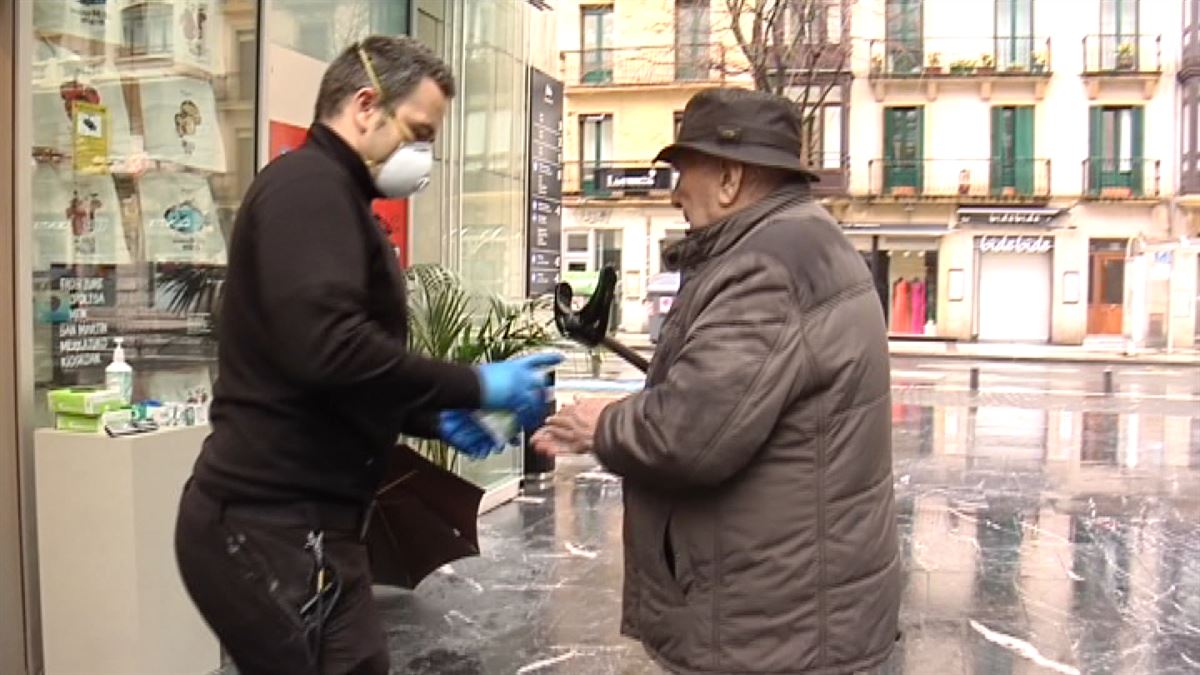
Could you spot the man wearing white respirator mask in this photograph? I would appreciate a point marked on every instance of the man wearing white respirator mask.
(315, 380)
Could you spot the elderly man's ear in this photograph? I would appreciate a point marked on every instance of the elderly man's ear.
(733, 175)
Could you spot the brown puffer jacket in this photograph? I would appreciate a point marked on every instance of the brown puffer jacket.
(760, 525)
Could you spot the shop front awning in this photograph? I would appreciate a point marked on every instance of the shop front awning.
(896, 229)
(1003, 216)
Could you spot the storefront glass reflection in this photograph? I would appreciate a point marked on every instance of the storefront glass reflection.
(140, 124)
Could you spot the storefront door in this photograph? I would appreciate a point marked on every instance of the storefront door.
(1014, 297)
(1106, 288)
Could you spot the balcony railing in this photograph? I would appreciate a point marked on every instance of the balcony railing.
(1016, 179)
(961, 57)
(641, 178)
(667, 64)
(1122, 54)
(1134, 178)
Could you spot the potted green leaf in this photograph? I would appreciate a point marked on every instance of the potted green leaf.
(987, 65)
(962, 67)
(446, 322)
(1125, 56)
(935, 64)
(1039, 63)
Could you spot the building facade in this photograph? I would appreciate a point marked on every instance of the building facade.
(131, 130)
(1011, 170)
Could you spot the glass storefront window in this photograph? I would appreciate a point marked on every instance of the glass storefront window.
(139, 136)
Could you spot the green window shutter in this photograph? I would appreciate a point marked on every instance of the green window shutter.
(1024, 159)
(889, 153)
(1137, 146)
(1095, 164)
(920, 143)
(995, 173)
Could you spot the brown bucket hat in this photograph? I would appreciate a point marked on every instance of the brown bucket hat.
(752, 127)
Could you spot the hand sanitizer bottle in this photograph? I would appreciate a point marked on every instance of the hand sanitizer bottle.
(118, 376)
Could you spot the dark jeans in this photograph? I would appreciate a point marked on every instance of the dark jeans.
(250, 574)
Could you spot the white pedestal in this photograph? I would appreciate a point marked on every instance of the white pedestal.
(112, 599)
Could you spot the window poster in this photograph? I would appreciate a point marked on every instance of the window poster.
(195, 30)
(91, 20)
(179, 116)
(55, 100)
(179, 219)
(76, 219)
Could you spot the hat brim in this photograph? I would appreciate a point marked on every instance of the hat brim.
(756, 155)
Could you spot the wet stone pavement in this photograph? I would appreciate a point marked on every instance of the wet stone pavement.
(1059, 539)
(1034, 541)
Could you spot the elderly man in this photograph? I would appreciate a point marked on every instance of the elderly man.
(760, 529)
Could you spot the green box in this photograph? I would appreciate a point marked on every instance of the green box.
(92, 424)
(83, 401)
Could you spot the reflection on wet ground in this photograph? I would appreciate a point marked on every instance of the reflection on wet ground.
(1062, 538)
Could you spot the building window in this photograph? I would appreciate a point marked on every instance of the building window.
(903, 166)
(1012, 166)
(595, 41)
(814, 22)
(247, 46)
(148, 29)
(595, 151)
(905, 53)
(1189, 142)
(577, 242)
(1014, 34)
(608, 249)
(693, 30)
(823, 137)
(1119, 43)
(1115, 160)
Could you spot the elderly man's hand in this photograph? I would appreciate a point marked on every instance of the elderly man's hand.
(571, 431)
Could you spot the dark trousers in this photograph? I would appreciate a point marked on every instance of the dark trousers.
(249, 572)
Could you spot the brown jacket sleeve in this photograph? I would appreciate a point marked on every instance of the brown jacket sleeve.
(723, 393)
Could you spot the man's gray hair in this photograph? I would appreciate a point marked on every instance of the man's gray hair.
(400, 62)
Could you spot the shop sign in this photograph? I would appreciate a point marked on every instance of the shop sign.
(634, 180)
(1007, 217)
(1016, 244)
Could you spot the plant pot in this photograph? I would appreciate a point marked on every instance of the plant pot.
(1116, 193)
(986, 70)
(1125, 62)
(904, 191)
(961, 71)
(933, 70)
(1009, 192)
(1039, 69)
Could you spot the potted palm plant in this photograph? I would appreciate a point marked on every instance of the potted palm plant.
(1039, 63)
(447, 322)
(987, 65)
(962, 67)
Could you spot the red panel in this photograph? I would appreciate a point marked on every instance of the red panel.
(393, 214)
(285, 138)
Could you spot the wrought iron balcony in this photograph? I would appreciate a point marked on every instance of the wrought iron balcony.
(643, 179)
(960, 179)
(961, 57)
(1122, 55)
(650, 65)
(986, 62)
(1120, 179)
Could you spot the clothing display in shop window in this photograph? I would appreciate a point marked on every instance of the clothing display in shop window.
(179, 116)
(76, 219)
(179, 219)
(901, 307)
(917, 292)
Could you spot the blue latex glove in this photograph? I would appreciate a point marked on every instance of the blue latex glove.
(518, 385)
(464, 433)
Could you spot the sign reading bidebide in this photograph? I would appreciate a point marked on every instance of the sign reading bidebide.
(1016, 244)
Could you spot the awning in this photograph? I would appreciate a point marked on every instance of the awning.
(897, 229)
(984, 216)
